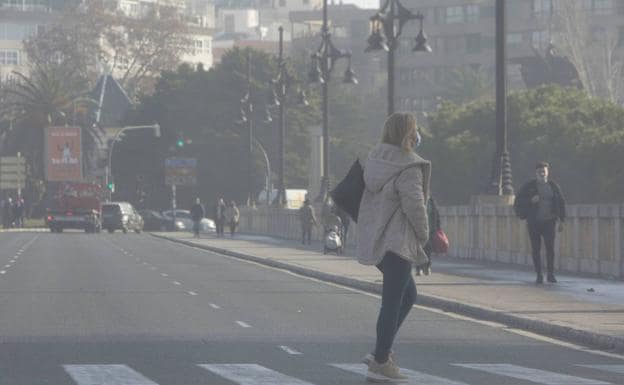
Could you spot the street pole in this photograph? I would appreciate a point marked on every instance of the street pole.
(324, 59)
(501, 182)
(387, 26)
(281, 189)
(249, 112)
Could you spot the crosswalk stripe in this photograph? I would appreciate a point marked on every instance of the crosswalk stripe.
(415, 378)
(106, 375)
(532, 375)
(252, 374)
(607, 368)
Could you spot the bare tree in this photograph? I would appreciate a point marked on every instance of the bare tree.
(97, 37)
(594, 50)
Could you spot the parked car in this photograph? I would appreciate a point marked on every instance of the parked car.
(121, 216)
(207, 225)
(155, 221)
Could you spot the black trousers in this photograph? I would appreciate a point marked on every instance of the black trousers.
(543, 230)
(397, 298)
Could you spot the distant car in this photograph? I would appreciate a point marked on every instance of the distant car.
(155, 221)
(207, 225)
(121, 216)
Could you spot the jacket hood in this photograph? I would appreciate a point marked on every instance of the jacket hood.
(386, 161)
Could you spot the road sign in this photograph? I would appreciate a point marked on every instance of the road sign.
(180, 171)
(12, 172)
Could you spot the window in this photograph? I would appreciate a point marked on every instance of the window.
(542, 7)
(540, 39)
(514, 39)
(229, 23)
(487, 11)
(9, 57)
(472, 13)
(282, 3)
(454, 15)
(473, 43)
(603, 7)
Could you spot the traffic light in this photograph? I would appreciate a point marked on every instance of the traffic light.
(180, 143)
(111, 186)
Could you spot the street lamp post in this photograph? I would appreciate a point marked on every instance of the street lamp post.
(246, 116)
(109, 171)
(323, 62)
(501, 182)
(282, 85)
(387, 25)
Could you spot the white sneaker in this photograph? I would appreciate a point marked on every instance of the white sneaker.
(388, 371)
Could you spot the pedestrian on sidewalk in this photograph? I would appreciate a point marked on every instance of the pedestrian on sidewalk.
(232, 215)
(541, 203)
(7, 213)
(392, 231)
(197, 214)
(219, 216)
(308, 220)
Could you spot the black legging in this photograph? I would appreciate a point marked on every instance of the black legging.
(397, 298)
(537, 231)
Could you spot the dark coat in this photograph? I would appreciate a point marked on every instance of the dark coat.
(197, 212)
(525, 209)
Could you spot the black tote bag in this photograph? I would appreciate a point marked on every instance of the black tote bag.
(348, 193)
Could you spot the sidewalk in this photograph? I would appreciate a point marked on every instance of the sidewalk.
(585, 311)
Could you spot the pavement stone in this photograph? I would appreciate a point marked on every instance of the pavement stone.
(583, 310)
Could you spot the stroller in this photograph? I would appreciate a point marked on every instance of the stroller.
(333, 241)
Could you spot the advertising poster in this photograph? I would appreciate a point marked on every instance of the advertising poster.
(63, 154)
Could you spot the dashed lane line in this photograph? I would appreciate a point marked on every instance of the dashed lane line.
(243, 324)
(290, 350)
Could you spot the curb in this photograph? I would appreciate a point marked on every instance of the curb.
(26, 230)
(566, 333)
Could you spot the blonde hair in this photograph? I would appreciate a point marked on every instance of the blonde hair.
(397, 128)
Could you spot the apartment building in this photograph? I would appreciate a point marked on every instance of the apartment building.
(462, 34)
(20, 19)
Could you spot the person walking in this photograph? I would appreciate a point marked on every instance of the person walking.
(232, 216)
(392, 231)
(18, 212)
(7, 213)
(308, 219)
(541, 203)
(433, 218)
(219, 216)
(197, 214)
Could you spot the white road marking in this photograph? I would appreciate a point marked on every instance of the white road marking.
(214, 306)
(176, 283)
(106, 375)
(3, 272)
(191, 293)
(252, 374)
(495, 325)
(415, 378)
(13, 260)
(164, 274)
(243, 324)
(289, 350)
(607, 368)
(7, 266)
(532, 375)
(152, 267)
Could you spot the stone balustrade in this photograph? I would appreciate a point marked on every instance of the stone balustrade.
(590, 241)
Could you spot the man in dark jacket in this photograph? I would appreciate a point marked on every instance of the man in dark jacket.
(197, 214)
(542, 204)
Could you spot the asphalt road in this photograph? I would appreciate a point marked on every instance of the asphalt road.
(127, 309)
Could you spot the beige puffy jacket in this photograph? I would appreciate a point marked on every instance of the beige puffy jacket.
(393, 214)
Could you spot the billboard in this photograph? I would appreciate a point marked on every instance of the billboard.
(63, 154)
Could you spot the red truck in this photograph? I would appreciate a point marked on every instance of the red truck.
(76, 206)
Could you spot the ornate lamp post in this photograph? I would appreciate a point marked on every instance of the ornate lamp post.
(246, 116)
(323, 61)
(387, 25)
(501, 182)
(278, 96)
